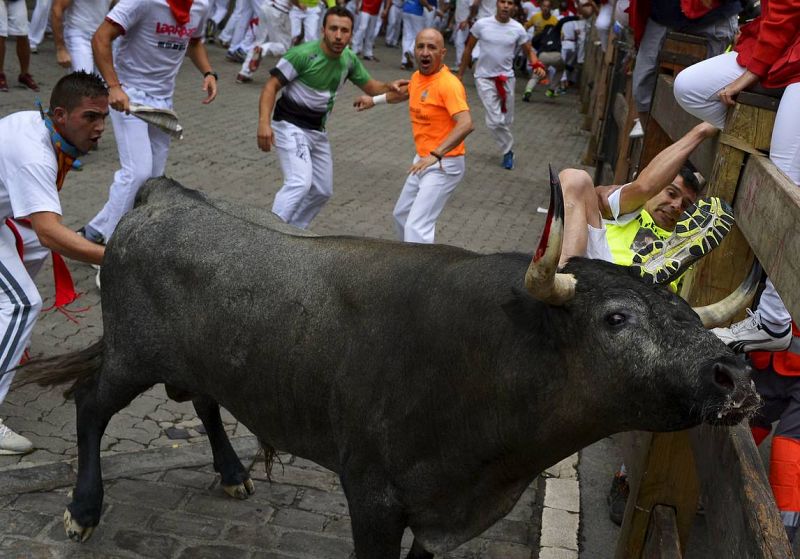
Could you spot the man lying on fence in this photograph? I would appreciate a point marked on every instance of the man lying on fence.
(651, 223)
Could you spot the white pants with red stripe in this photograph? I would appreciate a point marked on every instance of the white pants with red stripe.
(20, 301)
(423, 198)
(498, 122)
(696, 90)
(307, 166)
(143, 150)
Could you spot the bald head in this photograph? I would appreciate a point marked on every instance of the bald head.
(429, 51)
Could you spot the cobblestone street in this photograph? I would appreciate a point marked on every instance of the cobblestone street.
(162, 496)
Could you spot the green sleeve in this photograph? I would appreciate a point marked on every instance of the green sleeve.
(358, 73)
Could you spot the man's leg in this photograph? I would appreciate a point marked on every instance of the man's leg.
(20, 304)
(784, 466)
(404, 202)
(362, 23)
(39, 19)
(393, 25)
(495, 119)
(79, 45)
(645, 69)
(581, 210)
(312, 24)
(373, 29)
(435, 187)
(321, 180)
(697, 86)
(294, 155)
(135, 157)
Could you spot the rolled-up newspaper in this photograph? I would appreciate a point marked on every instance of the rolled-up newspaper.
(165, 119)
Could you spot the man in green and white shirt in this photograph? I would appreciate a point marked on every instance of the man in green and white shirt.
(310, 75)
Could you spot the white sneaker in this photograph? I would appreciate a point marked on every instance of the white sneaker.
(750, 334)
(11, 443)
(636, 131)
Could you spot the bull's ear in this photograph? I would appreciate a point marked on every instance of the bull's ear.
(523, 310)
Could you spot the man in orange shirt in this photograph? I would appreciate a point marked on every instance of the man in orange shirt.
(440, 120)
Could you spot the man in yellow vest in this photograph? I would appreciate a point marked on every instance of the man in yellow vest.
(654, 223)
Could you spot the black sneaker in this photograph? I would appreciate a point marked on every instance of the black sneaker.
(700, 230)
(618, 498)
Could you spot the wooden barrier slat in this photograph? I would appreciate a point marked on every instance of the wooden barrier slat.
(662, 535)
(676, 122)
(660, 472)
(620, 111)
(741, 515)
(767, 211)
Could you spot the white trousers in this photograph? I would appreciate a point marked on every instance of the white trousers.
(412, 25)
(460, 37)
(217, 10)
(79, 46)
(423, 198)
(20, 301)
(273, 35)
(498, 122)
(13, 19)
(143, 151)
(394, 21)
(696, 91)
(39, 20)
(367, 28)
(238, 23)
(307, 167)
(307, 20)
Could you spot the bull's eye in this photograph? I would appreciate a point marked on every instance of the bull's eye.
(616, 319)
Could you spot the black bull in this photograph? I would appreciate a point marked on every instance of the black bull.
(427, 377)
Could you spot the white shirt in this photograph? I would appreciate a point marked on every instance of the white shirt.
(573, 38)
(530, 8)
(462, 10)
(28, 167)
(85, 15)
(499, 42)
(153, 45)
(487, 8)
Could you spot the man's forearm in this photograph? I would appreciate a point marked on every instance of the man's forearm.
(198, 54)
(104, 60)
(457, 135)
(57, 25)
(266, 102)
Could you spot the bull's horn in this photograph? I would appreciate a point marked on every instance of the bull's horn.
(721, 313)
(541, 279)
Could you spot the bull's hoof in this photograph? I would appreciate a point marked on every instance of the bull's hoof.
(75, 531)
(241, 491)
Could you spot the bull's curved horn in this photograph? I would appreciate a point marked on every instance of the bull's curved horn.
(541, 279)
(722, 312)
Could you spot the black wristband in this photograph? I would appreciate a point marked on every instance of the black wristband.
(211, 73)
(436, 155)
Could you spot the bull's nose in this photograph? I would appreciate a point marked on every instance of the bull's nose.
(723, 378)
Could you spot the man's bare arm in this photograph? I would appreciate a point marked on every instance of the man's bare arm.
(104, 60)
(364, 102)
(663, 168)
(457, 135)
(198, 54)
(467, 56)
(266, 103)
(375, 87)
(55, 236)
(57, 23)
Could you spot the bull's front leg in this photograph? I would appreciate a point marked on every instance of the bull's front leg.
(377, 518)
(234, 477)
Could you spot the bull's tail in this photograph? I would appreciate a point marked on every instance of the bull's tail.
(76, 367)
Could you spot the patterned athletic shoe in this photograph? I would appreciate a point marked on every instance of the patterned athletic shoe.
(699, 231)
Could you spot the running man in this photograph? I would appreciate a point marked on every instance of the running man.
(310, 76)
(440, 120)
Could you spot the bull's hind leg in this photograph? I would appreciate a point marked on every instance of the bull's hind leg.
(93, 414)
(377, 518)
(235, 480)
(418, 552)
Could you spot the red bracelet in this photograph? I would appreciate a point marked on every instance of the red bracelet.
(538, 65)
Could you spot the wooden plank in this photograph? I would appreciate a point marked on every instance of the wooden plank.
(767, 211)
(620, 111)
(662, 535)
(676, 122)
(751, 124)
(660, 472)
(741, 516)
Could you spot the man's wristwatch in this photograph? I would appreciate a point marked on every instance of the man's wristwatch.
(211, 73)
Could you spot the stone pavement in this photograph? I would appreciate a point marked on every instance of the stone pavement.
(492, 210)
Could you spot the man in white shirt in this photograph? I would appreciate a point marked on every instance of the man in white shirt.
(74, 23)
(273, 36)
(153, 37)
(499, 37)
(32, 170)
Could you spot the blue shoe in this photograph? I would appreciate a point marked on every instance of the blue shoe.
(508, 160)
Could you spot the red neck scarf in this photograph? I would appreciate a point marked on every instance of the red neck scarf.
(180, 10)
